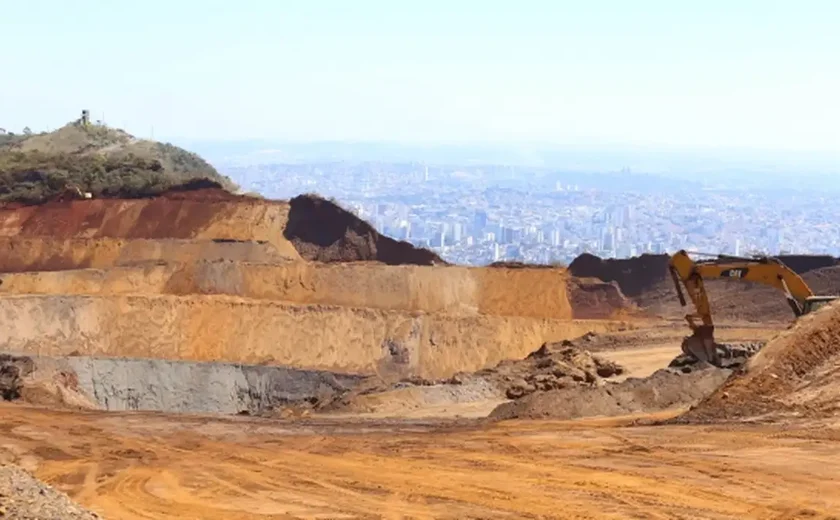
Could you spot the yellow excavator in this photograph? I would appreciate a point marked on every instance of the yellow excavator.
(766, 270)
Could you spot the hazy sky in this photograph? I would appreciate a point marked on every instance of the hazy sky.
(713, 73)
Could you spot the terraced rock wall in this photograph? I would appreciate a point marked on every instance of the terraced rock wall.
(537, 293)
(239, 330)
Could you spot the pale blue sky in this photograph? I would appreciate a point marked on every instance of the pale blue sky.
(760, 74)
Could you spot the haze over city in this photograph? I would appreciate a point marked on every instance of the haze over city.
(634, 105)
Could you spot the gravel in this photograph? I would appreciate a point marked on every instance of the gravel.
(23, 497)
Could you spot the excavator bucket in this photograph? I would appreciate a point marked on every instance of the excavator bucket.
(701, 345)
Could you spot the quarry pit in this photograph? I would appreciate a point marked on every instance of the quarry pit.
(201, 355)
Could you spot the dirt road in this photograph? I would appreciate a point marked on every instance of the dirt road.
(131, 466)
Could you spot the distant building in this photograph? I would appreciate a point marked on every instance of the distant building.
(456, 232)
(480, 220)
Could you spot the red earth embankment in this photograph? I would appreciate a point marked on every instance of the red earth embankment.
(199, 215)
(307, 227)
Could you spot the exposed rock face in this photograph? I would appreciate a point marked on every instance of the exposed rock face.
(168, 386)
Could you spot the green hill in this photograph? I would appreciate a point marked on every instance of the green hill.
(104, 161)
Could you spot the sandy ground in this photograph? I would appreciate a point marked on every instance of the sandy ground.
(133, 466)
(642, 352)
(435, 461)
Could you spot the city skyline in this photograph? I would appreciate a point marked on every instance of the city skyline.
(476, 215)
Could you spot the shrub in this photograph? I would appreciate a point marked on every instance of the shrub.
(33, 177)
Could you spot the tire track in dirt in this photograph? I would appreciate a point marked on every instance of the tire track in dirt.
(137, 466)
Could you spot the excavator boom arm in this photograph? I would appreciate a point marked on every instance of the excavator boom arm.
(690, 274)
(765, 271)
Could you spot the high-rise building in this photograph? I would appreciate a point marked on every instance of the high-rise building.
(456, 232)
(479, 220)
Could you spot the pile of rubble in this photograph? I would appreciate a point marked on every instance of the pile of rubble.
(23, 497)
(553, 366)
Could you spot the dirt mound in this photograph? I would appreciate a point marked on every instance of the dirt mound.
(796, 372)
(662, 390)
(806, 263)
(556, 365)
(646, 281)
(739, 300)
(520, 265)
(323, 231)
(552, 366)
(634, 275)
(641, 274)
(23, 497)
(824, 281)
(729, 300)
(591, 298)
